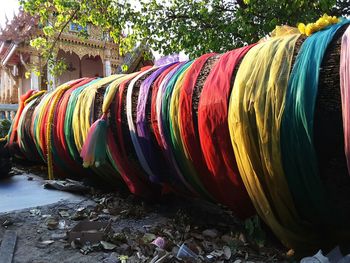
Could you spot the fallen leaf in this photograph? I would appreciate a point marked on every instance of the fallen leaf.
(290, 253)
(52, 223)
(35, 212)
(123, 258)
(148, 237)
(7, 223)
(212, 233)
(63, 213)
(47, 242)
(227, 252)
(107, 245)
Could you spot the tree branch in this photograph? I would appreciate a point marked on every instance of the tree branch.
(61, 31)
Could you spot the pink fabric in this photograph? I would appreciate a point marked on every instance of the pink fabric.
(345, 91)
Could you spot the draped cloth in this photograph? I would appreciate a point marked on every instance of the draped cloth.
(255, 113)
(161, 80)
(49, 126)
(41, 120)
(136, 182)
(62, 158)
(82, 116)
(176, 141)
(298, 152)
(223, 178)
(191, 149)
(59, 132)
(155, 133)
(345, 91)
(176, 178)
(148, 160)
(68, 121)
(132, 127)
(13, 138)
(166, 129)
(25, 139)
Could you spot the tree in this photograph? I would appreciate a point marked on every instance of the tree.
(111, 16)
(193, 26)
(215, 25)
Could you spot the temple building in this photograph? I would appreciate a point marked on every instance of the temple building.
(94, 56)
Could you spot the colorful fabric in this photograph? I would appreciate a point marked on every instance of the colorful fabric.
(235, 128)
(188, 129)
(345, 91)
(146, 151)
(298, 152)
(224, 179)
(256, 108)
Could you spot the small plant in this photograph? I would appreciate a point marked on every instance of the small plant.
(255, 232)
(4, 127)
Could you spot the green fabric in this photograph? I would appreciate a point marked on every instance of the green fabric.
(174, 148)
(73, 151)
(176, 141)
(298, 152)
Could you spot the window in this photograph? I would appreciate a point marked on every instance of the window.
(106, 36)
(74, 27)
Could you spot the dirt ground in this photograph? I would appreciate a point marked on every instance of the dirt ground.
(210, 231)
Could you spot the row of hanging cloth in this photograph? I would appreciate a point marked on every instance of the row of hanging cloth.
(234, 128)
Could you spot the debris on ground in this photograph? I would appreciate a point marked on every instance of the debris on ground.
(90, 231)
(113, 228)
(67, 185)
(334, 256)
(119, 227)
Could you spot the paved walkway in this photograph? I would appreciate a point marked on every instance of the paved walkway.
(18, 193)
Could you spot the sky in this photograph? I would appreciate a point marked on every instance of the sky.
(8, 7)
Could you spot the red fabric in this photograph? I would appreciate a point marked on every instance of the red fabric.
(60, 114)
(45, 121)
(131, 176)
(214, 134)
(13, 140)
(154, 119)
(58, 130)
(166, 187)
(189, 133)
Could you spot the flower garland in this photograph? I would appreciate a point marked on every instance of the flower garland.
(320, 24)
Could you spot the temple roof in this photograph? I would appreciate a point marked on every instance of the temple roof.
(22, 27)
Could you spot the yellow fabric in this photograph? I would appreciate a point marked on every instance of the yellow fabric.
(280, 31)
(176, 133)
(174, 108)
(255, 111)
(112, 89)
(4, 138)
(42, 111)
(34, 96)
(56, 97)
(82, 112)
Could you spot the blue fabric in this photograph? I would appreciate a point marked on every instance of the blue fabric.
(298, 152)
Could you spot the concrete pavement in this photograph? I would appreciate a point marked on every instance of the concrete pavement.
(18, 193)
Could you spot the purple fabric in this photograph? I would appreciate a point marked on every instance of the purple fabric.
(167, 60)
(142, 129)
(161, 91)
(177, 175)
